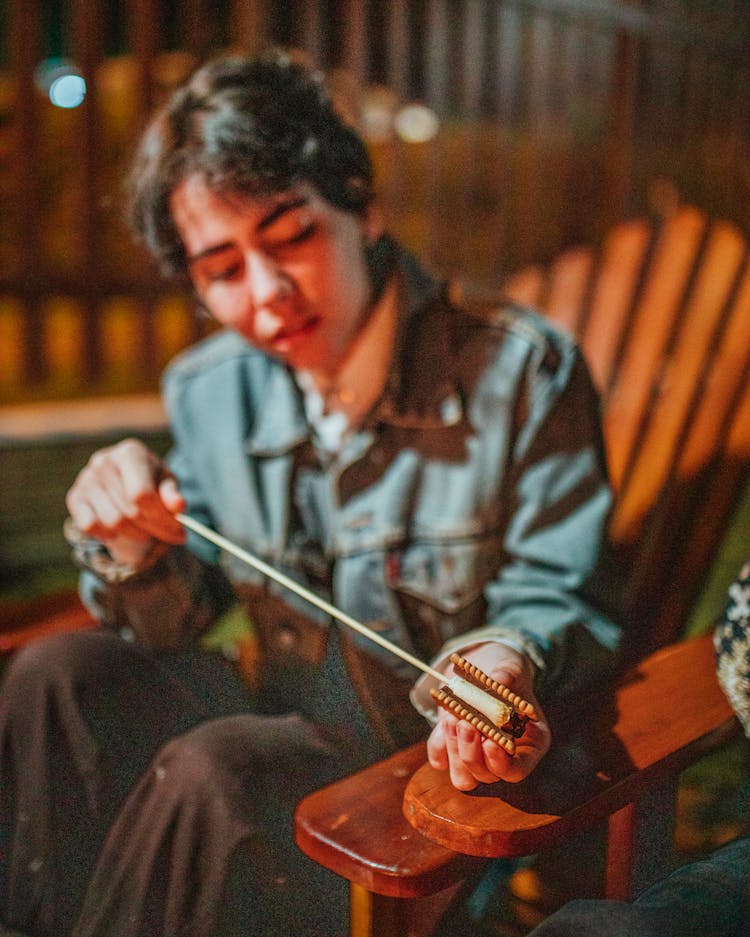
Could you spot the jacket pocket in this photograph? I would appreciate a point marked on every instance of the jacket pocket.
(292, 648)
(439, 588)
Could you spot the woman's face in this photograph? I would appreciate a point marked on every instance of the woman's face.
(286, 271)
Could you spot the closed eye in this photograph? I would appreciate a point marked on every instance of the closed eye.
(289, 230)
(224, 273)
(306, 233)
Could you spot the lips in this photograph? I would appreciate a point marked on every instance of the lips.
(287, 337)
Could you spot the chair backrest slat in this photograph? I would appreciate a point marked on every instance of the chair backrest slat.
(683, 368)
(618, 276)
(654, 321)
(568, 286)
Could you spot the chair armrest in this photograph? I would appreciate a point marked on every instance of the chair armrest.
(50, 615)
(356, 828)
(665, 715)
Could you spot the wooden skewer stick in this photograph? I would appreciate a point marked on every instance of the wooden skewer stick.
(310, 597)
(444, 697)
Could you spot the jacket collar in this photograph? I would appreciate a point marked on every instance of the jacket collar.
(422, 389)
(281, 424)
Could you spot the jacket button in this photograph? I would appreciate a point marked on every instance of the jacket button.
(359, 521)
(286, 637)
(428, 614)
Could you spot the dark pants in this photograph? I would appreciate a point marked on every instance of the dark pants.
(709, 898)
(142, 798)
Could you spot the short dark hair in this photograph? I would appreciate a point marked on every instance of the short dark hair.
(248, 126)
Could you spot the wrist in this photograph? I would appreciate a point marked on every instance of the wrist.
(114, 566)
(503, 663)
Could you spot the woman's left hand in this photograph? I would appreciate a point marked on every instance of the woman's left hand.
(470, 758)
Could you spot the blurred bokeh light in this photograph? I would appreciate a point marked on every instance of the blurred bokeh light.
(61, 82)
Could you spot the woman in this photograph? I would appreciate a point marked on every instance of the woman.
(434, 471)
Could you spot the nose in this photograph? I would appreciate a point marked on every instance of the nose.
(266, 281)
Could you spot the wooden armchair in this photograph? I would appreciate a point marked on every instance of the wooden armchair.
(663, 314)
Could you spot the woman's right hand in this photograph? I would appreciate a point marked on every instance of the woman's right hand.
(126, 498)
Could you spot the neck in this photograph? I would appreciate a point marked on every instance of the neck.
(358, 380)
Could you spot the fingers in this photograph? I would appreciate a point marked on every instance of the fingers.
(125, 493)
(437, 753)
(471, 759)
(530, 749)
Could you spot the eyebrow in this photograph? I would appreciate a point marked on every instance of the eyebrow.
(279, 209)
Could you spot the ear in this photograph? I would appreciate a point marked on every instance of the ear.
(373, 222)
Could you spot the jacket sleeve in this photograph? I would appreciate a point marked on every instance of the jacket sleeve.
(553, 593)
(165, 608)
(176, 600)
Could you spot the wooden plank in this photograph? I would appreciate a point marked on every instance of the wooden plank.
(374, 915)
(689, 387)
(355, 39)
(568, 288)
(527, 286)
(25, 51)
(654, 320)
(249, 21)
(87, 42)
(666, 500)
(143, 40)
(619, 272)
(356, 828)
(711, 508)
(310, 32)
(724, 381)
(640, 842)
(680, 381)
(508, 42)
(398, 47)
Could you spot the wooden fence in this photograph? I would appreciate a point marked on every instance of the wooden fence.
(554, 119)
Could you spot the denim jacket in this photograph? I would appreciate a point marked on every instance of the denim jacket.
(471, 505)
